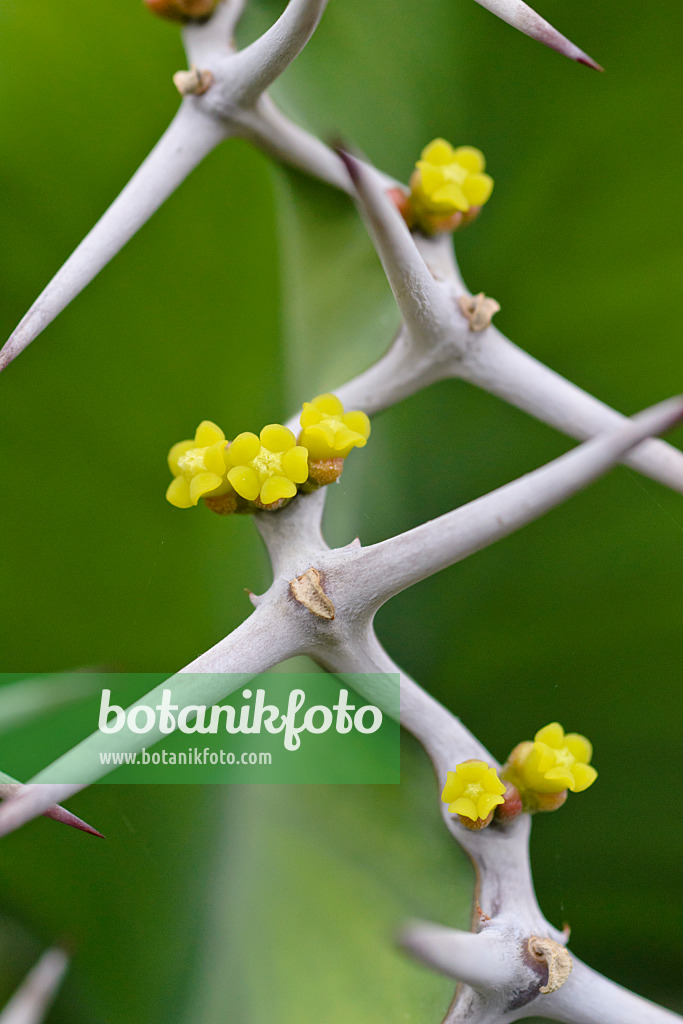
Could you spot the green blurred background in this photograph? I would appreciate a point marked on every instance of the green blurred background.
(251, 290)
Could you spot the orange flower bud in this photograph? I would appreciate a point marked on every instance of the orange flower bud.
(182, 10)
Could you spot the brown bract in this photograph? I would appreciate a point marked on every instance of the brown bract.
(223, 504)
(307, 589)
(479, 310)
(557, 958)
(324, 471)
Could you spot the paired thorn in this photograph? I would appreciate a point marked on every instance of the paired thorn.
(255, 68)
(426, 298)
(193, 133)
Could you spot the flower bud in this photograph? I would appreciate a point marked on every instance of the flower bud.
(322, 472)
(182, 10)
(511, 806)
(401, 200)
(223, 504)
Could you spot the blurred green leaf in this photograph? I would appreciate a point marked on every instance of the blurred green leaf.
(27, 699)
(309, 898)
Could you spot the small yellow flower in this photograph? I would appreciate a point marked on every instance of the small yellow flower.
(330, 433)
(199, 467)
(555, 761)
(448, 186)
(269, 467)
(473, 790)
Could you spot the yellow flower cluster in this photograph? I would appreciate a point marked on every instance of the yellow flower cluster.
(267, 469)
(448, 187)
(473, 790)
(556, 761)
(536, 777)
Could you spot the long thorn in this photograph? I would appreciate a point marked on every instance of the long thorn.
(418, 296)
(251, 648)
(188, 139)
(32, 1000)
(387, 568)
(523, 17)
(10, 789)
(269, 55)
(60, 814)
(505, 370)
(32, 800)
(475, 959)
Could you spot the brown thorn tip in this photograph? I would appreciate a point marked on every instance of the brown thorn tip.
(350, 163)
(589, 63)
(65, 817)
(68, 945)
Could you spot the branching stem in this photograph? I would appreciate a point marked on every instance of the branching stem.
(502, 980)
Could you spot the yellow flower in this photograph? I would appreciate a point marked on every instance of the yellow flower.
(555, 761)
(473, 790)
(330, 433)
(269, 467)
(448, 185)
(199, 467)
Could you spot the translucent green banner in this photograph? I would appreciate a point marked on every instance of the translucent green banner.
(305, 727)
